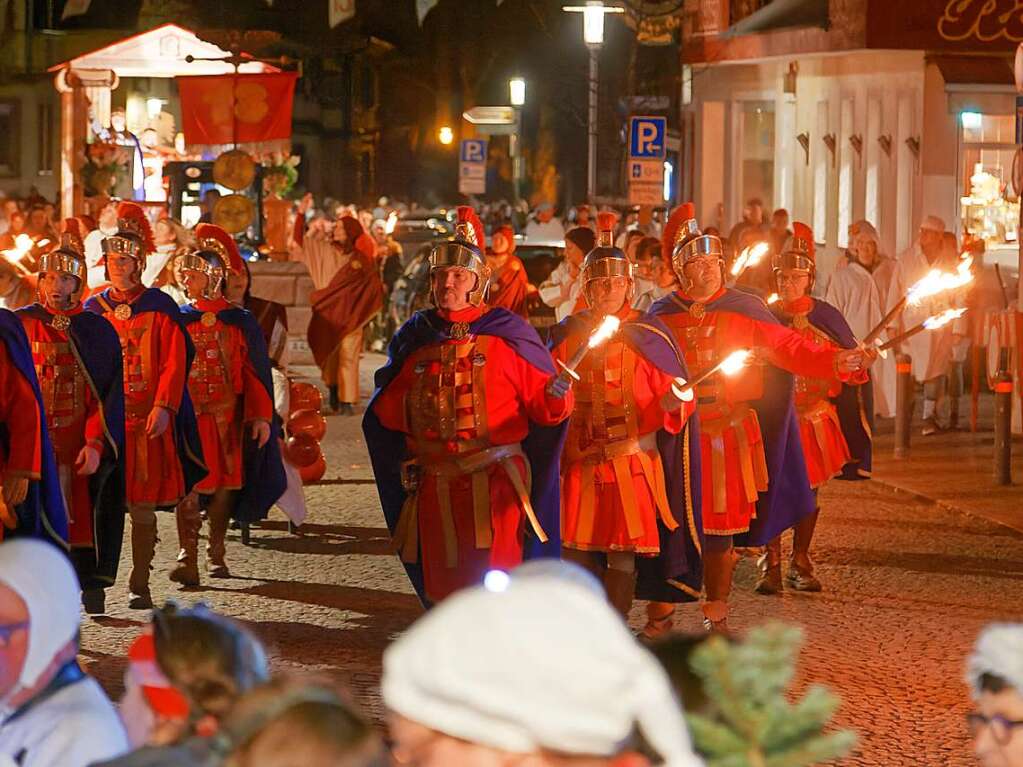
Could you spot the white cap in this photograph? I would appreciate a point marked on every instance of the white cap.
(42, 576)
(999, 652)
(542, 664)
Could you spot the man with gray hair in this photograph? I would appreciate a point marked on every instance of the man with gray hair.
(931, 352)
(51, 713)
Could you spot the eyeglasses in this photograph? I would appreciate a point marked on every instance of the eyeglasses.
(1002, 729)
(7, 630)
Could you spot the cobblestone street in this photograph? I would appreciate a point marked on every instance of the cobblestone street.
(908, 586)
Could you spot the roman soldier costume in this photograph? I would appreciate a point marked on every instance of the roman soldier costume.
(26, 454)
(464, 436)
(156, 355)
(754, 477)
(627, 469)
(77, 358)
(834, 416)
(231, 388)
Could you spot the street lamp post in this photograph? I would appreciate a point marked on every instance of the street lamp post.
(593, 35)
(517, 97)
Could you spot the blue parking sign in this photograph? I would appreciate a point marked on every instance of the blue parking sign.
(646, 138)
(474, 150)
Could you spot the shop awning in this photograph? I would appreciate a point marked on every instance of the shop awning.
(974, 70)
(782, 14)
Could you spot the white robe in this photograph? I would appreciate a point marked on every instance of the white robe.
(561, 291)
(854, 292)
(931, 350)
(74, 727)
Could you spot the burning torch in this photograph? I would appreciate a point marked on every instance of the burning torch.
(750, 256)
(607, 328)
(23, 245)
(934, 282)
(392, 221)
(931, 323)
(729, 366)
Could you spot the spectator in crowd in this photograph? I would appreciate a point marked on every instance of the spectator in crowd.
(583, 217)
(51, 713)
(174, 279)
(860, 292)
(779, 231)
(545, 227)
(643, 252)
(183, 681)
(208, 206)
(470, 685)
(562, 290)
(39, 226)
(931, 352)
(294, 722)
(15, 226)
(8, 207)
(509, 285)
(995, 674)
(663, 278)
(390, 258)
(170, 236)
(97, 275)
(750, 229)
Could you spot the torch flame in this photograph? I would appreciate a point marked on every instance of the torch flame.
(22, 245)
(937, 281)
(772, 299)
(932, 323)
(734, 362)
(750, 256)
(607, 328)
(392, 221)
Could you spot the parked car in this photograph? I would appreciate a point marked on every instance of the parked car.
(540, 258)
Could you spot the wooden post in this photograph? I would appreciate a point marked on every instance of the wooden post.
(904, 392)
(1003, 429)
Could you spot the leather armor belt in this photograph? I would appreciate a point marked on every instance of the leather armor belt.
(474, 466)
(618, 454)
(817, 415)
(62, 421)
(714, 424)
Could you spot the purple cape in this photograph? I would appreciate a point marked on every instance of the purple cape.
(542, 446)
(676, 573)
(42, 513)
(855, 403)
(788, 497)
(97, 346)
(263, 477)
(186, 429)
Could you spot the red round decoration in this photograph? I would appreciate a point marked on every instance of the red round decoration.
(307, 422)
(305, 396)
(301, 450)
(314, 472)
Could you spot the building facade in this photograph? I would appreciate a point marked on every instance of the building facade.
(856, 109)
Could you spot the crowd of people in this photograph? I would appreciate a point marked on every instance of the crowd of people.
(688, 404)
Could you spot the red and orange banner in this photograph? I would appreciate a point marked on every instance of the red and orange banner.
(237, 109)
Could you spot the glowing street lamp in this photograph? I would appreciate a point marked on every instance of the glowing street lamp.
(517, 91)
(445, 135)
(593, 35)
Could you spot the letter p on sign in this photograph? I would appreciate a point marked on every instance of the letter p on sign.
(647, 138)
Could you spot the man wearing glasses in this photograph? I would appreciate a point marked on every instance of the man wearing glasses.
(51, 713)
(995, 674)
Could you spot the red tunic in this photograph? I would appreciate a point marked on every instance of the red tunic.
(227, 395)
(73, 417)
(612, 479)
(466, 406)
(824, 445)
(509, 286)
(154, 376)
(20, 419)
(734, 465)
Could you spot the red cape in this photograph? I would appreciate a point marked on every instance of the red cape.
(353, 296)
